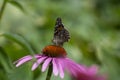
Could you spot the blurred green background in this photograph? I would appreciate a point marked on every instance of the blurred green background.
(26, 27)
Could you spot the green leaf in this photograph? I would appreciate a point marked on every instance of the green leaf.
(2, 75)
(21, 73)
(5, 61)
(17, 4)
(20, 40)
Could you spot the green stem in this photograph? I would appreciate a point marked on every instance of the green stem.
(49, 74)
(2, 9)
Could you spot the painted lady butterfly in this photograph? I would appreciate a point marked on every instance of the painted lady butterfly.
(61, 35)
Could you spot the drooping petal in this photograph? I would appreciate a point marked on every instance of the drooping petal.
(28, 56)
(93, 70)
(75, 65)
(70, 68)
(39, 61)
(55, 67)
(37, 56)
(23, 60)
(46, 63)
(61, 68)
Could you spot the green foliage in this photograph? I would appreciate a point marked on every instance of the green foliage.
(5, 61)
(94, 26)
(20, 40)
(16, 4)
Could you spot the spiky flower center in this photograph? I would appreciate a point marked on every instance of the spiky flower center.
(54, 51)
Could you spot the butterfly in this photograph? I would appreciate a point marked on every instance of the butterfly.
(61, 35)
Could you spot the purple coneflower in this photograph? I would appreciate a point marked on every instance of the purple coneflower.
(54, 56)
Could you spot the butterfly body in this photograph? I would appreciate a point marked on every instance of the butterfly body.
(61, 35)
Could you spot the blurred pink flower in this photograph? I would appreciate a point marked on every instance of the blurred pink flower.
(90, 73)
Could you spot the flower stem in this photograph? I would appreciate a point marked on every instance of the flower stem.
(2, 9)
(49, 74)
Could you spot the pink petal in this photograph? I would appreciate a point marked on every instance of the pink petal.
(75, 65)
(28, 56)
(61, 68)
(45, 64)
(37, 56)
(39, 61)
(55, 68)
(23, 60)
(93, 70)
(72, 69)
